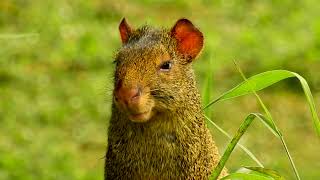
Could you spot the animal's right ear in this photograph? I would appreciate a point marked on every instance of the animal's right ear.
(125, 31)
(189, 39)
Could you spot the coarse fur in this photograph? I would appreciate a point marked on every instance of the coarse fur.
(175, 142)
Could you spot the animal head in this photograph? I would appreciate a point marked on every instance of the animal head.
(153, 68)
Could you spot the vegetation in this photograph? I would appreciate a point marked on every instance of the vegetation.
(56, 73)
(251, 85)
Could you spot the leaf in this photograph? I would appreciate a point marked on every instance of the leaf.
(243, 176)
(270, 172)
(270, 119)
(235, 140)
(266, 79)
(242, 129)
(245, 149)
(254, 173)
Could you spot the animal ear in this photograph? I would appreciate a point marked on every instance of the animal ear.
(189, 38)
(125, 31)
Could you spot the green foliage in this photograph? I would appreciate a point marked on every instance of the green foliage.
(254, 173)
(263, 80)
(242, 129)
(251, 85)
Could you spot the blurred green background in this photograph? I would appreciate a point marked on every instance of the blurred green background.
(56, 73)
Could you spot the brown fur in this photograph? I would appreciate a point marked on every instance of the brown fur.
(175, 142)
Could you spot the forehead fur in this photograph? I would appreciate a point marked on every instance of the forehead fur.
(143, 40)
(146, 36)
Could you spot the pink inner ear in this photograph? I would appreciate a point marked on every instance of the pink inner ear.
(189, 38)
(125, 31)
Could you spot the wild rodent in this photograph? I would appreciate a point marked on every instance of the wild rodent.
(157, 128)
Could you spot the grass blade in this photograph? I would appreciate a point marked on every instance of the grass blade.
(310, 99)
(254, 173)
(261, 81)
(270, 119)
(269, 172)
(242, 129)
(246, 150)
(266, 79)
(243, 176)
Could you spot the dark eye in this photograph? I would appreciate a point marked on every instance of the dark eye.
(166, 66)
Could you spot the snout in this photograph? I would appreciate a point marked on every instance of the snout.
(134, 102)
(128, 96)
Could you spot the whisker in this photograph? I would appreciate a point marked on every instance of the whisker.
(152, 90)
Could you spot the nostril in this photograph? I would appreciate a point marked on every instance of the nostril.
(138, 92)
(134, 94)
(127, 95)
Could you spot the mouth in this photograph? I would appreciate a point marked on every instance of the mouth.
(140, 117)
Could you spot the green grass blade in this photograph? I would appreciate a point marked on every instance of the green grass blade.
(206, 92)
(272, 121)
(253, 173)
(235, 140)
(310, 99)
(257, 82)
(242, 129)
(244, 176)
(246, 150)
(270, 124)
(269, 172)
(266, 79)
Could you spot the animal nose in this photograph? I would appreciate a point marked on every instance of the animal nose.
(127, 95)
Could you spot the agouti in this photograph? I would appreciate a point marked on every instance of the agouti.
(157, 128)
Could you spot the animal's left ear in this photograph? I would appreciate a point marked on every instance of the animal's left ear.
(125, 31)
(189, 38)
